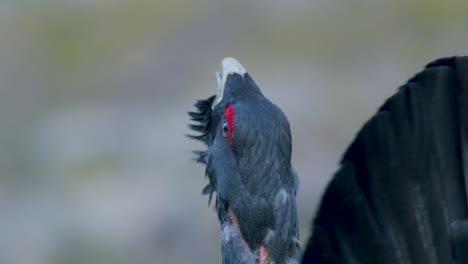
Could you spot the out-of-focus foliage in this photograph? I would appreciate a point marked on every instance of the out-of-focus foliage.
(94, 165)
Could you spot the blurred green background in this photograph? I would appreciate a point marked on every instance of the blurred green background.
(94, 165)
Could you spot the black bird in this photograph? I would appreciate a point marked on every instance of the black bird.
(248, 164)
(400, 195)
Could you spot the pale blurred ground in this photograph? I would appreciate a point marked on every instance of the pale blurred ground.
(94, 165)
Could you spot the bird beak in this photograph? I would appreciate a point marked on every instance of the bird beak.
(229, 65)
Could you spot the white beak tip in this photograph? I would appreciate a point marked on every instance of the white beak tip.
(231, 65)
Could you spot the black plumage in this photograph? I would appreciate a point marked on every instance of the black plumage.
(400, 194)
(203, 118)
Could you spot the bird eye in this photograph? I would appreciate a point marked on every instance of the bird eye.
(225, 129)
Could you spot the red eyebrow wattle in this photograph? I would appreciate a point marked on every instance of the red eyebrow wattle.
(230, 115)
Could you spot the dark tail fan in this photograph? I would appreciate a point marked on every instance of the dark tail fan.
(400, 195)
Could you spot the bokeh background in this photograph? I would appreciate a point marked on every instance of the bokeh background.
(94, 165)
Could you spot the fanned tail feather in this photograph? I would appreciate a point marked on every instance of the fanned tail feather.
(400, 195)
